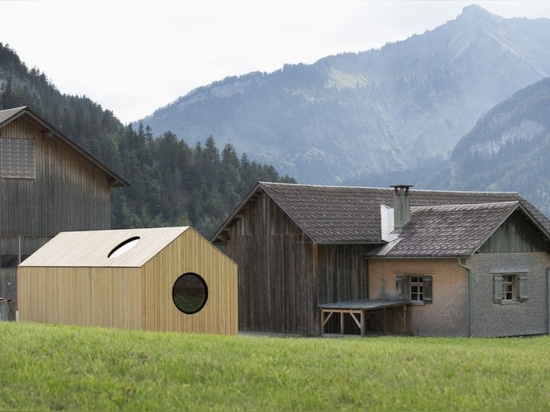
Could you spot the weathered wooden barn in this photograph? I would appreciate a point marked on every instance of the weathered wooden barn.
(327, 259)
(48, 184)
(162, 279)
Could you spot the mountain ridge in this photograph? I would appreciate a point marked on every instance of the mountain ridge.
(383, 110)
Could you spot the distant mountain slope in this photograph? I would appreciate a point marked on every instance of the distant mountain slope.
(509, 148)
(376, 112)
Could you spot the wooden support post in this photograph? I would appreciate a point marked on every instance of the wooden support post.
(341, 323)
(363, 331)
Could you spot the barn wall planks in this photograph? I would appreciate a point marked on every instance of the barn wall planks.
(67, 193)
(273, 255)
(516, 236)
(283, 276)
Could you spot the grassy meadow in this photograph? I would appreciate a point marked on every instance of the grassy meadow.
(46, 367)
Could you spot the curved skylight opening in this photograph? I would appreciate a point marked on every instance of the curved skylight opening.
(124, 247)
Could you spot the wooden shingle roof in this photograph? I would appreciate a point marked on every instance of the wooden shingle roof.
(345, 215)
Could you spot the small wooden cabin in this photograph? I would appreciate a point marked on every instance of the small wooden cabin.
(162, 279)
(48, 184)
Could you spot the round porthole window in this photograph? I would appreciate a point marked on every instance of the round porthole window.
(190, 293)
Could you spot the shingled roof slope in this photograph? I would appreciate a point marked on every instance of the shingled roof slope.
(448, 231)
(344, 214)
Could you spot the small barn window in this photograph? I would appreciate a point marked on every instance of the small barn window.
(17, 158)
(190, 293)
(123, 247)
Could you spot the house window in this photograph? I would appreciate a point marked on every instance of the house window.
(415, 288)
(509, 287)
(17, 158)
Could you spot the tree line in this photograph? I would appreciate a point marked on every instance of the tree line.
(171, 182)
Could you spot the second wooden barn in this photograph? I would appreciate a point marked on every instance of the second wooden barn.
(163, 279)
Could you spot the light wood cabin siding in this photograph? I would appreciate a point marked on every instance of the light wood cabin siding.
(80, 296)
(190, 253)
(138, 297)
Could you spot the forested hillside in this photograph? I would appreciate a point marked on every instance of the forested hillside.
(172, 183)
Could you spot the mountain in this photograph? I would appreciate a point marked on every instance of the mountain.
(374, 113)
(509, 148)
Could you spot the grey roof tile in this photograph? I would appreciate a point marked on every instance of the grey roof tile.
(449, 231)
(347, 214)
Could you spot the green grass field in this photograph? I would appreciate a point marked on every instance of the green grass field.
(45, 367)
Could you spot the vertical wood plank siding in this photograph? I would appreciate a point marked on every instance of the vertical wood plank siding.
(515, 236)
(190, 253)
(283, 276)
(135, 297)
(67, 193)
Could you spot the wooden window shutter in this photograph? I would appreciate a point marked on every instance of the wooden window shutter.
(427, 286)
(522, 287)
(497, 288)
(401, 286)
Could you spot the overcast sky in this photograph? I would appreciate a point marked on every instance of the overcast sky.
(133, 57)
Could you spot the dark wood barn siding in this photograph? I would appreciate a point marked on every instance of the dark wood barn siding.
(276, 286)
(342, 273)
(516, 235)
(67, 193)
(283, 276)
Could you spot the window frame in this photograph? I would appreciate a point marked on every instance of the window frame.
(406, 283)
(514, 283)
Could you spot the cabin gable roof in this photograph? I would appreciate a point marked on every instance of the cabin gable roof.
(96, 248)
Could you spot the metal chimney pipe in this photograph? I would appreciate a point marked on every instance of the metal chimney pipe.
(401, 205)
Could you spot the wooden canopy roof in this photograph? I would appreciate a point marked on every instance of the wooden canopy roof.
(9, 115)
(346, 215)
(95, 248)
